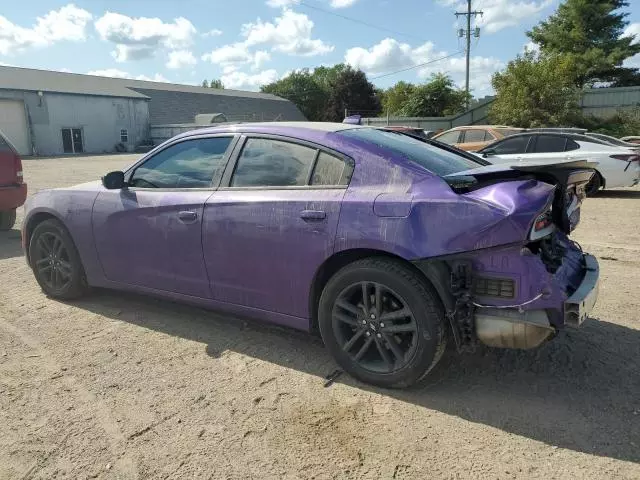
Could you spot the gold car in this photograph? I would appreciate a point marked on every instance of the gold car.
(476, 137)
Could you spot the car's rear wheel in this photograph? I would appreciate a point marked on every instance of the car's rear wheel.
(55, 261)
(382, 322)
(7, 220)
(594, 185)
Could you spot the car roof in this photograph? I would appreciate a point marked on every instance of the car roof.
(497, 127)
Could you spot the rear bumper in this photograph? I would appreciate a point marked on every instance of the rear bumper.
(580, 304)
(12, 196)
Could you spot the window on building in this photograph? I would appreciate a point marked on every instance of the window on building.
(273, 163)
(124, 135)
(189, 164)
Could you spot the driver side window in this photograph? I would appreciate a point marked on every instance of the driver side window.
(189, 164)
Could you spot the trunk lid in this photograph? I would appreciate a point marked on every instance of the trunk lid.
(10, 164)
(569, 177)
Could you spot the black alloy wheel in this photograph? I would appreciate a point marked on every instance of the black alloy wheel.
(382, 322)
(375, 327)
(55, 261)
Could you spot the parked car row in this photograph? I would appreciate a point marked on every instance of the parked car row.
(618, 161)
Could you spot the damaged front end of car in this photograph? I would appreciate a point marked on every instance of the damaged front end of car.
(520, 294)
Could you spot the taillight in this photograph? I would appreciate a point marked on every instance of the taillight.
(17, 167)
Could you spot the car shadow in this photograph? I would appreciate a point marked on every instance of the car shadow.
(581, 391)
(10, 244)
(618, 194)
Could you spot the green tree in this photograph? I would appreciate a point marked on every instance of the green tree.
(436, 98)
(205, 84)
(394, 98)
(351, 91)
(217, 83)
(303, 90)
(591, 31)
(536, 90)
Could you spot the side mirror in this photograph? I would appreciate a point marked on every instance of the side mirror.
(488, 152)
(113, 180)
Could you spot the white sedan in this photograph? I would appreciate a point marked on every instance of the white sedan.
(617, 166)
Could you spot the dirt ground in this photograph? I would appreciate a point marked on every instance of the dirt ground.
(123, 386)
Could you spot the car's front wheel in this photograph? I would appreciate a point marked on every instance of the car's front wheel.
(382, 322)
(7, 219)
(55, 261)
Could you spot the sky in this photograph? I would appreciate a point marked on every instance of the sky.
(247, 43)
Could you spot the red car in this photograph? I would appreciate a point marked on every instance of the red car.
(13, 190)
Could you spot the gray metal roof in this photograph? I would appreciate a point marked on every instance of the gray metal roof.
(29, 79)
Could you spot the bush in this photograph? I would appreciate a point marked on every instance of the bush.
(622, 124)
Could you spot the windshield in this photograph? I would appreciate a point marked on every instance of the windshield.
(436, 160)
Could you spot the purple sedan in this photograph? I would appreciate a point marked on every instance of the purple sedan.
(387, 245)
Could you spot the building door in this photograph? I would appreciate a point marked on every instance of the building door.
(72, 140)
(13, 123)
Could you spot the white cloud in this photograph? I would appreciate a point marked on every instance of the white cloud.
(531, 47)
(282, 3)
(236, 79)
(291, 3)
(500, 14)
(390, 55)
(342, 3)
(68, 23)
(212, 33)
(237, 54)
(633, 30)
(180, 59)
(290, 34)
(115, 73)
(139, 38)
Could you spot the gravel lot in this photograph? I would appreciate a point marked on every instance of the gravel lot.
(123, 386)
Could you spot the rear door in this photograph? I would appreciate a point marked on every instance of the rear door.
(273, 223)
(548, 148)
(150, 233)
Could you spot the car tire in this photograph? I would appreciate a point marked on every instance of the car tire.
(401, 351)
(7, 220)
(55, 261)
(594, 185)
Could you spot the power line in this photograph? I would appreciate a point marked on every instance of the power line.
(370, 25)
(467, 32)
(417, 66)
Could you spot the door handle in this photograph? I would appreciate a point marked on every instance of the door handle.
(313, 215)
(187, 216)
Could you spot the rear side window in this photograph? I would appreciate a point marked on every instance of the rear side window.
(549, 144)
(189, 164)
(273, 163)
(329, 170)
(571, 145)
(449, 137)
(474, 136)
(511, 146)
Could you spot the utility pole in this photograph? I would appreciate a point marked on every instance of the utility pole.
(462, 32)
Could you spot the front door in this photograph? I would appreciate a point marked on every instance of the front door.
(509, 150)
(72, 140)
(266, 234)
(150, 233)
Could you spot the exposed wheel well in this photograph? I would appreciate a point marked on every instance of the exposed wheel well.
(342, 259)
(34, 221)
